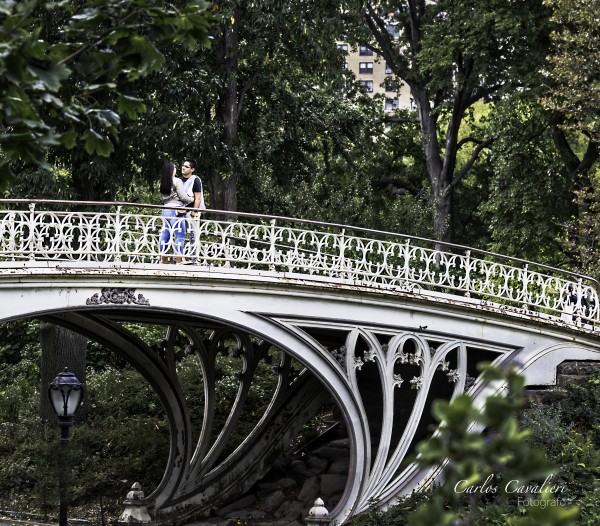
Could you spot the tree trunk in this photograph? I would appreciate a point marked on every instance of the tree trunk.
(442, 213)
(223, 191)
(60, 348)
(441, 192)
(223, 179)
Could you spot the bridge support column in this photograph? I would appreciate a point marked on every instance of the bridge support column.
(318, 515)
(136, 511)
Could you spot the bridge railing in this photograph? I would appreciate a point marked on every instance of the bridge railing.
(129, 233)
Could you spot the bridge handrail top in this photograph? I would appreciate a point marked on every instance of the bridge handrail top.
(407, 237)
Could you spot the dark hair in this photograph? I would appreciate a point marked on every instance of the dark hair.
(191, 162)
(166, 178)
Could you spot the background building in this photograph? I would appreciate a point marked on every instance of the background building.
(376, 78)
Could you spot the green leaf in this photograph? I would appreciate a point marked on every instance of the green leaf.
(454, 415)
(431, 513)
(97, 143)
(141, 56)
(51, 77)
(132, 106)
(69, 139)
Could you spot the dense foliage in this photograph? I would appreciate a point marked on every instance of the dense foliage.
(565, 428)
(65, 65)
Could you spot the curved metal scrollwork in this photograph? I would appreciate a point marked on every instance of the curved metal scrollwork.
(384, 379)
(207, 469)
(394, 375)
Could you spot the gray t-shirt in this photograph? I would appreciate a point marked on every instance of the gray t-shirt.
(177, 197)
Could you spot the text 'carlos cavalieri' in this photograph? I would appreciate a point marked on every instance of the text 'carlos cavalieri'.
(512, 486)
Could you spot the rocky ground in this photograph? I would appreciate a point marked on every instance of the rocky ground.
(286, 494)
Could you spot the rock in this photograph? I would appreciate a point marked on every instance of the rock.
(265, 488)
(274, 500)
(332, 485)
(240, 504)
(331, 453)
(577, 368)
(563, 380)
(298, 467)
(287, 483)
(244, 515)
(281, 522)
(291, 511)
(341, 443)
(309, 491)
(339, 466)
(317, 465)
(212, 522)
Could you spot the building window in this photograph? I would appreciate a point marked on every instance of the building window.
(365, 68)
(391, 84)
(388, 70)
(367, 85)
(343, 47)
(365, 51)
(392, 104)
(393, 30)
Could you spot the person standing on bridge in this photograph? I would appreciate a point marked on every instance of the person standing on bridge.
(570, 305)
(172, 195)
(193, 188)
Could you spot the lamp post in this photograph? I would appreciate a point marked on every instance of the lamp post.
(65, 394)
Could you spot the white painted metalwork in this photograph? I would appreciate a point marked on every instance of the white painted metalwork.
(381, 357)
(128, 233)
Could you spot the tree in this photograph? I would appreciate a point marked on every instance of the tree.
(530, 195)
(574, 74)
(573, 95)
(208, 105)
(254, 44)
(64, 64)
(452, 54)
(545, 162)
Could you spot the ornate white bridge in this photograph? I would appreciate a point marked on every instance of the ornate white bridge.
(379, 322)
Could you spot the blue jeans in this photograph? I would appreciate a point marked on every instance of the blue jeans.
(172, 224)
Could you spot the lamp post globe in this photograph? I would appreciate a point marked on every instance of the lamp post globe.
(65, 393)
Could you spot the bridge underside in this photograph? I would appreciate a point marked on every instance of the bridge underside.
(381, 359)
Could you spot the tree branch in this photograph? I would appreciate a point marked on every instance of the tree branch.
(396, 120)
(564, 148)
(397, 63)
(247, 85)
(402, 187)
(469, 164)
(483, 92)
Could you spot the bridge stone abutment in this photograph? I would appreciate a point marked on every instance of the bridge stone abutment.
(382, 356)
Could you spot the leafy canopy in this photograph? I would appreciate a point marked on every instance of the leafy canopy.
(64, 66)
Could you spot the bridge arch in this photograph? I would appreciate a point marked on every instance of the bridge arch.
(424, 339)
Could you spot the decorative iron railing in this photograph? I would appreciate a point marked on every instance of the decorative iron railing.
(130, 233)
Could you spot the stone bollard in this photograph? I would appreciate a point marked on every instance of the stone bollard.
(136, 511)
(318, 514)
